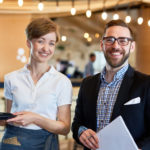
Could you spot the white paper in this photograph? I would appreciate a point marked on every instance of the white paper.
(116, 136)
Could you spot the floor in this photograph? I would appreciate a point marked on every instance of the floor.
(66, 142)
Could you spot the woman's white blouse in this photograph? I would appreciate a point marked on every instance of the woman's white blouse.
(52, 90)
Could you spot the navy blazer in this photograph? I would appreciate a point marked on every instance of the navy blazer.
(136, 116)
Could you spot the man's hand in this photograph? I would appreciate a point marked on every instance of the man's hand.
(89, 139)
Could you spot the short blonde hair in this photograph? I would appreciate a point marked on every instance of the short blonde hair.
(41, 26)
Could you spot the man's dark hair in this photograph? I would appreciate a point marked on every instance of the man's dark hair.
(118, 22)
(92, 55)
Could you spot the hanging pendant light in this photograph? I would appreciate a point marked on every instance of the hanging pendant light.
(148, 23)
(104, 13)
(20, 3)
(57, 5)
(128, 17)
(88, 12)
(116, 15)
(140, 18)
(40, 6)
(73, 10)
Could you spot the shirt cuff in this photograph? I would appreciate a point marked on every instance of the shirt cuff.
(81, 129)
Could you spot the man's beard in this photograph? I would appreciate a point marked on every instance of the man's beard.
(120, 63)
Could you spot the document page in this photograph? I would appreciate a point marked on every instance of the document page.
(116, 136)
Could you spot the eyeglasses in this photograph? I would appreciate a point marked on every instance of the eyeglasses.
(110, 40)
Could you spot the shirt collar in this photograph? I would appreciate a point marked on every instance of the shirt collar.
(119, 75)
(52, 70)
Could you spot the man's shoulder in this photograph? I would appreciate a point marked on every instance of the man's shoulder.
(139, 76)
(92, 78)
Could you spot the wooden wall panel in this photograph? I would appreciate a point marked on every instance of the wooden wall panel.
(12, 37)
(143, 44)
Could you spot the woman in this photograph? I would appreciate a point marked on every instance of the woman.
(37, 94)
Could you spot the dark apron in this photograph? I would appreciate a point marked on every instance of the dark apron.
(16, 138)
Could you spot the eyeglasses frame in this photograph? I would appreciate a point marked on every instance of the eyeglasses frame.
(116, 39)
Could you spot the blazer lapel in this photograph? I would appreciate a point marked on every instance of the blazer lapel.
(93, 106)
(124, 91)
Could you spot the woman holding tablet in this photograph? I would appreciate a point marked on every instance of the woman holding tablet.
(37, 94)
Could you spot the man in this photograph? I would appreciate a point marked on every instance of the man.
(89, 69)
(103, 97)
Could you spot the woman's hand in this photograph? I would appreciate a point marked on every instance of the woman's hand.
(23, 118)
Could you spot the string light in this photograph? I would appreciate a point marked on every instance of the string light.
(140, 20)
(97, 35)
(104, 15)
(86, 35)
(148, 23)
(115, 16)
(57, 5)
(73, 10)
(89, 39)
(63, 38)
(88, 12)
(128, 19)
(20, 3)
(40, 6)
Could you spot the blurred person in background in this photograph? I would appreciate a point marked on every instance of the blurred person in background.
(89, 69)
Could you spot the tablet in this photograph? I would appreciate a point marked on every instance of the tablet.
(5, 116)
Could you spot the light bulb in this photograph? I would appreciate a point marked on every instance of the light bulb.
(97, 35)
(63, 38)
(128, 19)
(40, 6)
(86, 35)
(104, 15)
(149, 23)
(20, 3)
(140, 20)
(89, 39)
(73, 11)
(115, 16)
(1, 1)
(88, 13)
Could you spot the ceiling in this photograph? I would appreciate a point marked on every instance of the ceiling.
(76, 26)
(64, 6)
